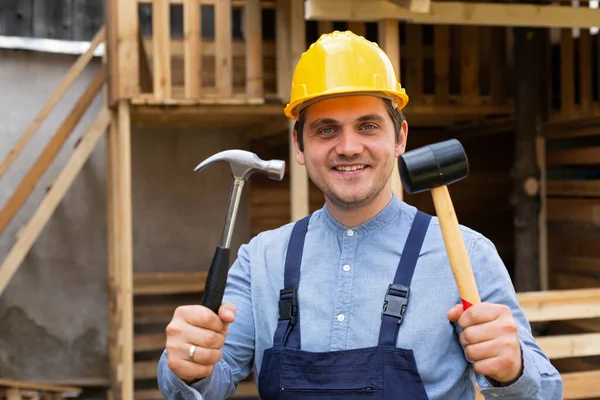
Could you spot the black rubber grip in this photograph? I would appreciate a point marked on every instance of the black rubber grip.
(216, 280)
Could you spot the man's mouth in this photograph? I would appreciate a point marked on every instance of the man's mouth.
(350, 168)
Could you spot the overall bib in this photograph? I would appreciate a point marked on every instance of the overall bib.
(382, 372)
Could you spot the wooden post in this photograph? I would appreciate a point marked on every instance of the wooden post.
(191, 47)
(299, 196)
(223, 49)
(254, 52)
(414, 61)
(114, 276)
(526, 195)
(124, 244)
(585, 73)
(161, 38)
(127, 40)
(390, 43)
(441, 63)
(282, 48)
(567, 74)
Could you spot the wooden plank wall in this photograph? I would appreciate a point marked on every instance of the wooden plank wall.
(481, 200)
(573, 212)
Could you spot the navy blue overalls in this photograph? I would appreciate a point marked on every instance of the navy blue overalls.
(383, 372)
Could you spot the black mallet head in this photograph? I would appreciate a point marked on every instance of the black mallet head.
(433, 165)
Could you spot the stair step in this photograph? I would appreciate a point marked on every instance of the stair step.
(149, 342)
(155, 283)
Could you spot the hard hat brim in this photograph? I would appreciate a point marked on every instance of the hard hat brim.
(293, 109)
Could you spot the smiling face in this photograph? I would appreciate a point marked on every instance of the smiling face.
(350, 149)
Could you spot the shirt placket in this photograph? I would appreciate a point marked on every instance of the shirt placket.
(344, 290)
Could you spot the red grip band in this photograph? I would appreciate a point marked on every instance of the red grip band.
(466, 304)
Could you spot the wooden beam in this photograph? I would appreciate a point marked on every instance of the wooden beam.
(20, 195)
(417, 6)
(581, 385)
(74, 71)
(124, 247)
(455, 13)
(566, 346)
(557, 305)
(574, 210)
(572, 128)
(587, 188)
(57, 191)
(39, 386)
(580, 156)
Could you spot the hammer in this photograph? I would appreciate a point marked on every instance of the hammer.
(243, 164)
(434, 167)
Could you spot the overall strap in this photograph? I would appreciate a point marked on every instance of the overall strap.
(396, 298)
(289, 317)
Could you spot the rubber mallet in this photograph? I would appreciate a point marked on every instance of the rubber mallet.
(434, 167)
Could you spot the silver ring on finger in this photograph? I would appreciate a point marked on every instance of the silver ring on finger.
(191, 352)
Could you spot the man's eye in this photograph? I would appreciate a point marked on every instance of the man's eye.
(326, 130)
(368, 127)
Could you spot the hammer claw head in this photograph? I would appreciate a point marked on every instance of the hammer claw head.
(244, 163)
(434, 165)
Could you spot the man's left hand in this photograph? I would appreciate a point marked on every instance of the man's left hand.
(490, 339)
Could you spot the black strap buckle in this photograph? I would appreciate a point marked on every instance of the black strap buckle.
(288, 305)
(396, 300)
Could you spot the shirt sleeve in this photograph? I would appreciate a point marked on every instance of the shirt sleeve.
(238, 351)
(540, 380)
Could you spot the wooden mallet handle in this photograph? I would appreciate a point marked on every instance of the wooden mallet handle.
(455, 247)
(434, 167)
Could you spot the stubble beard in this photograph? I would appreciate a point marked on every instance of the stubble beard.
(357, 203)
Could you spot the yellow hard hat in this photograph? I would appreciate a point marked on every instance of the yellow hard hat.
(341, 63)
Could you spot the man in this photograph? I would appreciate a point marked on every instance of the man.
(304, 304)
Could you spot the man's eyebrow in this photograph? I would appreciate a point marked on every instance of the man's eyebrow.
(370, 117)
(323, 121)
(331, 121)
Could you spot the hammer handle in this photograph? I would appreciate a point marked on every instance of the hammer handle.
(455, 247)
(216, 280)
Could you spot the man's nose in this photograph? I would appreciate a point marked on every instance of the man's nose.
(349, 143)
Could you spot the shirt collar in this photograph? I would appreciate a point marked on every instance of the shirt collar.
(384, 217)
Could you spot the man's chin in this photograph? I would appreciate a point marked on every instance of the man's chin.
(349, 200)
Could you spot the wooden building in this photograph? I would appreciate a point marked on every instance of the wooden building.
(518, 84)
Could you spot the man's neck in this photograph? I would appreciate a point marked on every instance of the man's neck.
(355, 217)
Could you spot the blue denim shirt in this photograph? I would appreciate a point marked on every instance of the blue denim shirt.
(344, 276)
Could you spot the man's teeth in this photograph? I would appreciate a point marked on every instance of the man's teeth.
(351, 168)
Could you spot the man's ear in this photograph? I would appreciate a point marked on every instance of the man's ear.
(402, 136)
(299, 154)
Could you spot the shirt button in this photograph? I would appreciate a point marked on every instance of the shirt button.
(350, 232)
(346, 268)
(341, 317)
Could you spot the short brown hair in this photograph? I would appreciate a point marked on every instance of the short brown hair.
(396, 115)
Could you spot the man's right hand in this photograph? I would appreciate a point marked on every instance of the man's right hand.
(197, 325)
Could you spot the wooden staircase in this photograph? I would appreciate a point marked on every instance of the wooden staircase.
(156, 296)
